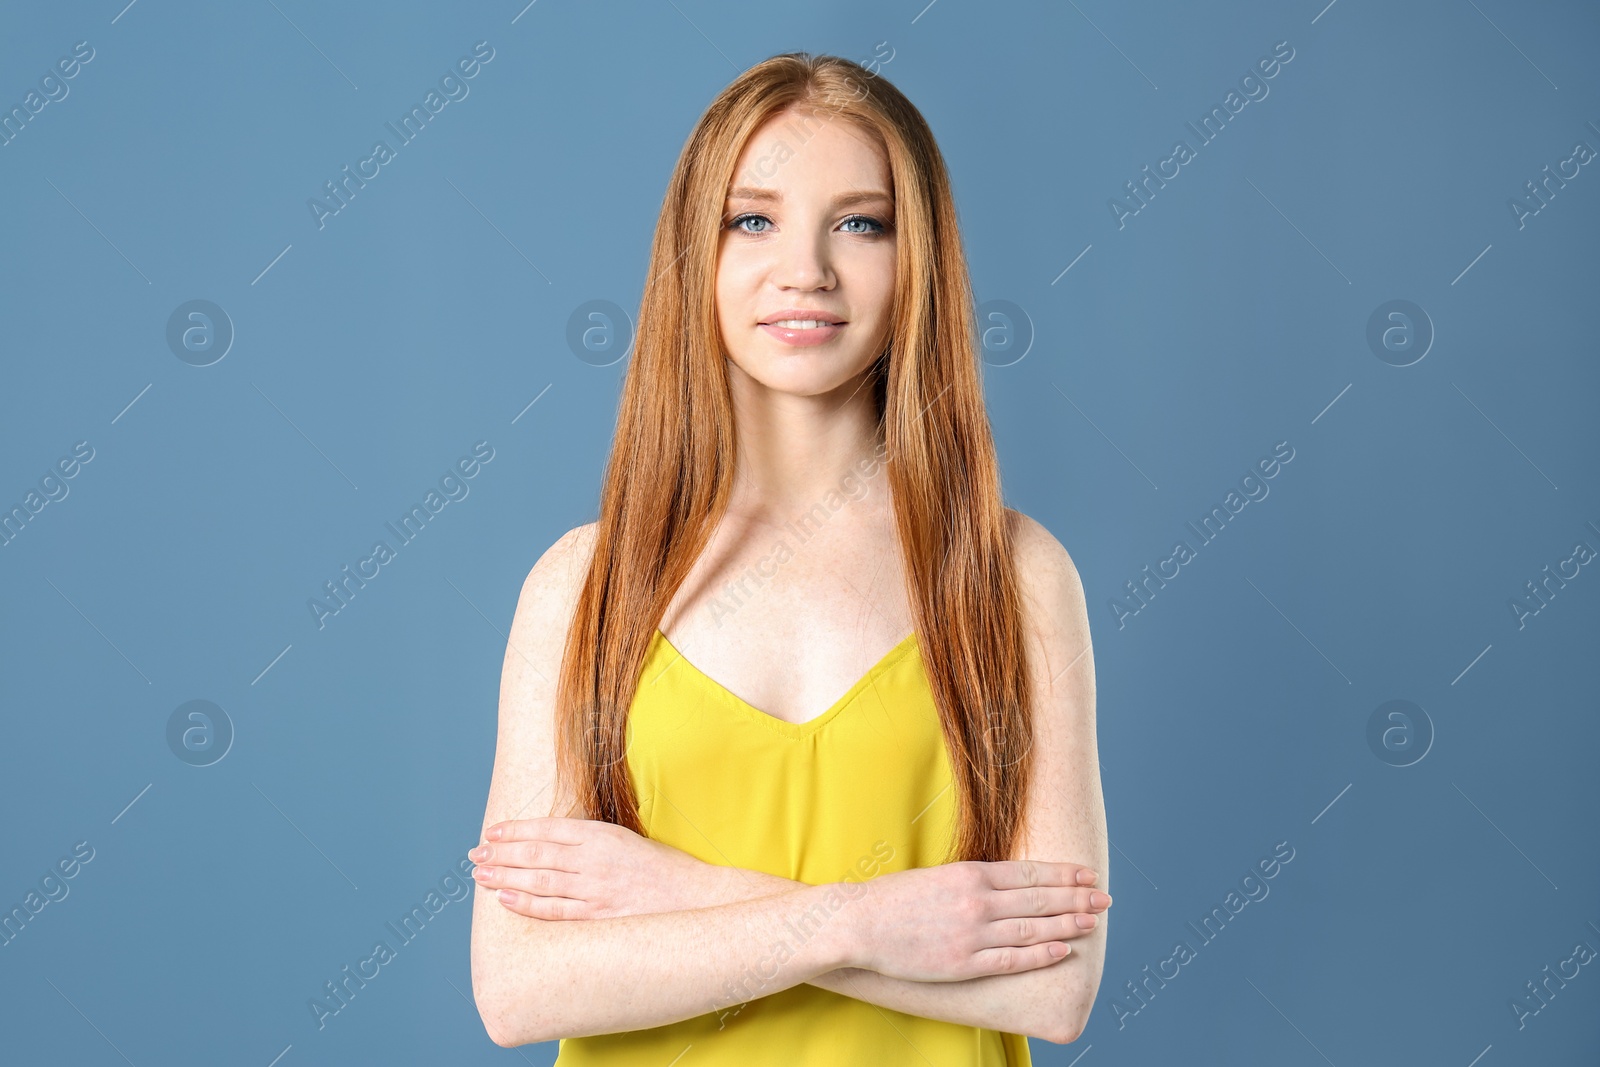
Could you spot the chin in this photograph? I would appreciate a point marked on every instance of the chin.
(804, 379)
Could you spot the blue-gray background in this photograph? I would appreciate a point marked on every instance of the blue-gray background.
(1436, 870)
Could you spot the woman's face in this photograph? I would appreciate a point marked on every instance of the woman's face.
(808, 229)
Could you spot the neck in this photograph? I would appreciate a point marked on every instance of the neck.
(798, 452)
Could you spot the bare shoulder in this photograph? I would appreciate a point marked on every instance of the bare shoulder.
(551, 587)
(523, 783)
(1051, 587)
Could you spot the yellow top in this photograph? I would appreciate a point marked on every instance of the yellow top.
(861, 790)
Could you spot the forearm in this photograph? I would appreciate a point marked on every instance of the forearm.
(1008, 1002)
(538, 980)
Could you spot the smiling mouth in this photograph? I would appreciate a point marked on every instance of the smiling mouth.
(799, 324)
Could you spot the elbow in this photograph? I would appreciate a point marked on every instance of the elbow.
(502, 1012)
(513, 998)
(1069, 1016)
(1063, 1028)
(499, 1035)
(1065, 1035)
(495, 1032)
(493, 1018)
(502, 1026)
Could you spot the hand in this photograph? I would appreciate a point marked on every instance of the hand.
(969, 919)
(558, 868)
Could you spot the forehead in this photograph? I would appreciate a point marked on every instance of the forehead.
(802, 153)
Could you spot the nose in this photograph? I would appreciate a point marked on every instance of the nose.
(804, 263)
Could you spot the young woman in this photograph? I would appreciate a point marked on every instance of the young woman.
(839, 816)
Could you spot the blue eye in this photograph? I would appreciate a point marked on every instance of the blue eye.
(737, 222)
(875, 227)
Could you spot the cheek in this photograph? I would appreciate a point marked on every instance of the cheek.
(734, 288)
(876, 292)
(874, 272)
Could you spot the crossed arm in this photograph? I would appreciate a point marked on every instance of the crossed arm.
(1015, 1001)
(606, 871)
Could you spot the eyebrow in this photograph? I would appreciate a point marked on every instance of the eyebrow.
(772, 195)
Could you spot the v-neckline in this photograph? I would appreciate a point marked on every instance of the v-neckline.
(816, 722)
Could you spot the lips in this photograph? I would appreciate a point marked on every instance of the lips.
(801, 315)
(815, 332)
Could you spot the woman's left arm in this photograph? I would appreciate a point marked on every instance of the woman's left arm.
(1065, 822)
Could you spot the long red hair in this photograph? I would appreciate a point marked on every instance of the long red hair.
(668, 480)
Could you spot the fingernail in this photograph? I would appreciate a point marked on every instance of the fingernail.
(1099, 900)
(478, 855)
(507, 896)
(1087, 877)
(483, 874)
(494, 833)
(1086, 922)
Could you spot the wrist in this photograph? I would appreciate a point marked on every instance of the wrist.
(844, 908)
(694, 886)
(712, 885)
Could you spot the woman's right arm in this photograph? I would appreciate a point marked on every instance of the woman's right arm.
(537, 980)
